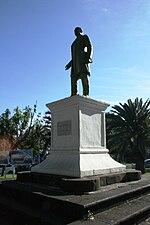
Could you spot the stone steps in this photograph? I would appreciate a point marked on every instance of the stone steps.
(120, 203)
(128, 213)
(23, 214)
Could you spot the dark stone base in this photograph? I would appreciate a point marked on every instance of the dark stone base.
(78, 185)
(44, 199)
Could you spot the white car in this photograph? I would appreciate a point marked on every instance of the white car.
(9, 169)
(146, 164)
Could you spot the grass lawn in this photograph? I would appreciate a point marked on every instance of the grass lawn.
(147, 172)
(129, 167)
(8, 176)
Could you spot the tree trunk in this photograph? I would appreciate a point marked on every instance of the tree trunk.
(140, 162)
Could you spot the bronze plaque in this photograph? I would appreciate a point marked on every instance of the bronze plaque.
(64, 128)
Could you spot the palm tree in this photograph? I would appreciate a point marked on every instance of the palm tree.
(128, 129)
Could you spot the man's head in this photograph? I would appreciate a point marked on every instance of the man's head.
(77, 31)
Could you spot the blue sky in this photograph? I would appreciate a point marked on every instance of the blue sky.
(35, 39)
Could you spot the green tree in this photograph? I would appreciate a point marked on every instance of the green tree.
(26, 129)
(18, 125)
(39, 138)
(128, 129)
(46, 132)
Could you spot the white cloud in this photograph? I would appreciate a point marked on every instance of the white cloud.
(105, 10)
(120, 84)
(92, 5)
(112, 68)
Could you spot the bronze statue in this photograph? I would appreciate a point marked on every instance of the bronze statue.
(81, 50)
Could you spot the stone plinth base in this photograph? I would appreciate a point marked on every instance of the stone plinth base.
(79, 165)
(78, 140)
(78, 185)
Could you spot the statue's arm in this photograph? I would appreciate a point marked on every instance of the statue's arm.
(89, 47)
(67, 67)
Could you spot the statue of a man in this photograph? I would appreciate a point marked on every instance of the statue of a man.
(81, 50)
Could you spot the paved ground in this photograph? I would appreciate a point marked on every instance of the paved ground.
(5, 220)
(146, 222)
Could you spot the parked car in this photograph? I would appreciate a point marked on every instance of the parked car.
(9, 169)
(22, 167)
(146, 163)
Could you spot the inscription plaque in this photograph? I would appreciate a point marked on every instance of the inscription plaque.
(64, 128)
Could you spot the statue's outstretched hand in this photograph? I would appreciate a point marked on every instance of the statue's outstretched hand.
(67, 67)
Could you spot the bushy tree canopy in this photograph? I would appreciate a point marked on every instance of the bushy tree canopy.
(26, 129)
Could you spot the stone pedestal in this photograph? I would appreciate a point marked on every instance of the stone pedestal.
(78, 140)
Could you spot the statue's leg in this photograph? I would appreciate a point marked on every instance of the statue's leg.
(85, 84)
(74, 80)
